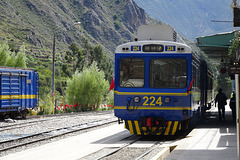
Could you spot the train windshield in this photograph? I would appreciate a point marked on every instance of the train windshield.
(168, 73)
(131, 72)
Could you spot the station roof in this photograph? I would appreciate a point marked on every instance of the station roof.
(216, 46)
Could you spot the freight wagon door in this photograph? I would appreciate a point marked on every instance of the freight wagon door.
(10, 91)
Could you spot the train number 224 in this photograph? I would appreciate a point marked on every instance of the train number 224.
(152, 101)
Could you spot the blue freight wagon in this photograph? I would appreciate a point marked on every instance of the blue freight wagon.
(18, 91)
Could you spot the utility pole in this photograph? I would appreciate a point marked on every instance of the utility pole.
(53, 89)
(234, 3)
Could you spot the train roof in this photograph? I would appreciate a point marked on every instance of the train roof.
(2, 68)
(167, 47)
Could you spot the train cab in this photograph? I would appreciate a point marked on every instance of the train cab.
(154, 80)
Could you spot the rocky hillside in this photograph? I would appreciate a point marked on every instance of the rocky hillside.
(191, 18)
(105, 22)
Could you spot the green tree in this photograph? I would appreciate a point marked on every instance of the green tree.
(45, 82)
(87, 51)
(235, 43)
(117, 25)
(96, 53)
(115, 16)
(20, 60)
(12, 59)
(10, 62)
(110, 98)
(75, 57)
(46, 103)
(4, 53)
(87, 87)
(66, 70)
(13, 47)
(103, 63)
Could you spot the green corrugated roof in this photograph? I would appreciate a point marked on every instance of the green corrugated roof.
(216, 46)
(221, 40)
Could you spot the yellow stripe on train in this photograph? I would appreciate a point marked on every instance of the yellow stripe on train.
(2, 97)
(154, 108)
(134, 128)
(152, 93)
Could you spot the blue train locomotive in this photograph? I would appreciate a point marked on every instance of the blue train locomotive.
(160, 83)
(18, 91)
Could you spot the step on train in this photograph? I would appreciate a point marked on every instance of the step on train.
(160, 83)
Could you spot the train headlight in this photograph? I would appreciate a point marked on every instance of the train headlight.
(167, 100)
(137, 99)
(181, 49)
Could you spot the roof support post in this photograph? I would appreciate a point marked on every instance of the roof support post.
(237, 106)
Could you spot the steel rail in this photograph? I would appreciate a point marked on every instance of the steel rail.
(150, 150)
(118, 149)
(67, 130)
(19, 125)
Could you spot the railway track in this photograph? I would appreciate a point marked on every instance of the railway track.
(9, 144)
(116, 150)
(31, 120)
(127, 151)
(136, 149)
(20, 125)
(102, 143)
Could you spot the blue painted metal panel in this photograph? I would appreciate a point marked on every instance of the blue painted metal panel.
(169, 115)
(18, 89)
(172, 111)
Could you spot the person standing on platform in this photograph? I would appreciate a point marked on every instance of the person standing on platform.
(233, 106)
(233, 93)
(221, 99)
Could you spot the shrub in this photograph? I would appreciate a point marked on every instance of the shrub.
(115, 17)
(88, 87)
(47, 104)
(117, 25)
(32, 113)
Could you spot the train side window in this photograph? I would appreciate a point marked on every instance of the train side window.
(168, 73)
(194, 73)
(131, 74)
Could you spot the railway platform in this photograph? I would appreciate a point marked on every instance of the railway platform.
(210, 140)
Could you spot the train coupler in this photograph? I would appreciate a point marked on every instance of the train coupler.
(153, 122)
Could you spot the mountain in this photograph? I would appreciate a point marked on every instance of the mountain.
(191, 18)
(104, 22)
